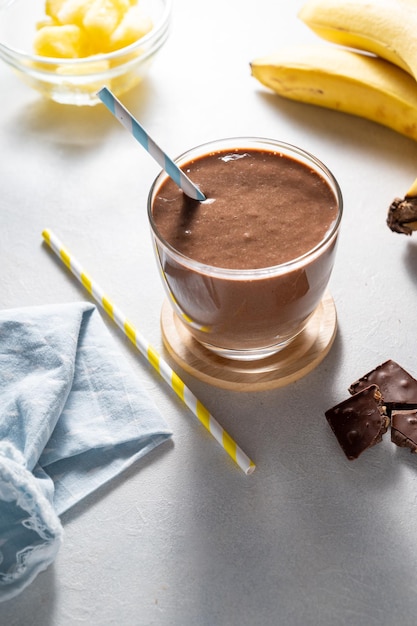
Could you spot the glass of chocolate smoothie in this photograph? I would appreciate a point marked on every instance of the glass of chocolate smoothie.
(246, 269)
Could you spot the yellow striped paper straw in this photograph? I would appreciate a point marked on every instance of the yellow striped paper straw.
(152, 356)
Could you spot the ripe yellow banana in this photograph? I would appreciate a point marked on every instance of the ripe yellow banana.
(386, 28)
(412, 192)
(344, 80)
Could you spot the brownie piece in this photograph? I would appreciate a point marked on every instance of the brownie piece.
(359, 422)
(404, 429)
(397, 386)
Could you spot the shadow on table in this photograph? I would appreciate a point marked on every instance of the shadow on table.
(410, 259)
(79, 126)
(129, 473)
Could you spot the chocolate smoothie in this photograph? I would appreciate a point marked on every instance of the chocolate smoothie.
(249, 283)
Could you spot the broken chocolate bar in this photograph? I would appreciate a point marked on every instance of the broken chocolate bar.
(404, 429)
(402, 215)
(359, 421)
(397, 386)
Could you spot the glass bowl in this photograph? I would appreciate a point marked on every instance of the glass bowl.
(77, 81)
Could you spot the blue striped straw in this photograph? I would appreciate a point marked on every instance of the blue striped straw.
(132, 125)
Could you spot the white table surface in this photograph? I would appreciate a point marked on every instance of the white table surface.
(184, 538)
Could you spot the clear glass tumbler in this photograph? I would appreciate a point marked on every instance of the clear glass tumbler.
(248, 314)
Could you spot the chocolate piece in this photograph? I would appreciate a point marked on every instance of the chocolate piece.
(402, 215)
(397, 386)
(359, 422)
(404, 429)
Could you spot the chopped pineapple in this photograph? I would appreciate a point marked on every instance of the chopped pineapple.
(134, 25)
(52, 8)
(47, 21)
(102, 17)
(73, 11)
(67, 41)
(79, 28)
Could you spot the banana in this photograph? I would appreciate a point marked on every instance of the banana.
(344, 80)
(412, 192)
(386, 28)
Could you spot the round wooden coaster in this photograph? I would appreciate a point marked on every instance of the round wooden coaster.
(298, 359)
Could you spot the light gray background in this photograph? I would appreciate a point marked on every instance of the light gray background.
(184, 538)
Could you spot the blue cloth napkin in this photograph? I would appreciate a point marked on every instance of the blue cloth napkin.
(72, 416)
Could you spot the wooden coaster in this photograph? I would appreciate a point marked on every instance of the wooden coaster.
(298, 359)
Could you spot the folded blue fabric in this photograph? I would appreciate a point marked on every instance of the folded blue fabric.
(72, 416)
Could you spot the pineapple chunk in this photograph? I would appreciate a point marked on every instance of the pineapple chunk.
(73, 11)
(52, 8)
(79, 28)
(66, 41)
(103, 16)
(95, 67)
(47, 21)
(134, 25)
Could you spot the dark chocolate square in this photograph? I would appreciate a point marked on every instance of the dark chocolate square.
(359, 421)
(404, 429)
(397, 386)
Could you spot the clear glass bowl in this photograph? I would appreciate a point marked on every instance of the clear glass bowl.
(77, 81)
